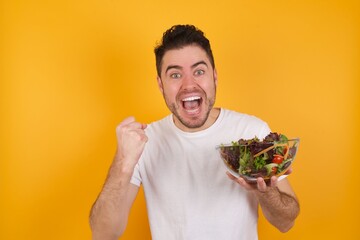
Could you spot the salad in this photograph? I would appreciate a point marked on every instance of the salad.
(254, 158)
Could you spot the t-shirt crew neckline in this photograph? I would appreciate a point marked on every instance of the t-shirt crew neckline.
(208, 130)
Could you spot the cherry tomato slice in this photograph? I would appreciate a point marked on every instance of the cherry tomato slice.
(278, 159)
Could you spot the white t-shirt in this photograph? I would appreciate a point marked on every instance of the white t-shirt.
(188, 194)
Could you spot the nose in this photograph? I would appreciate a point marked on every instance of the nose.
(188, 82)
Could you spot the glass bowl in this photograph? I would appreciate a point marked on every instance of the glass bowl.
(251, 159)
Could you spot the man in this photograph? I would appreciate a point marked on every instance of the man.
(187, 192)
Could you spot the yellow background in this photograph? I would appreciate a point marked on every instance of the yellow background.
(72, 70)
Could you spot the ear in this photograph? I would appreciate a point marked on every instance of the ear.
(160, 84)
(215, 77)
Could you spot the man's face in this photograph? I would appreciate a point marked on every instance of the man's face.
(188, 83)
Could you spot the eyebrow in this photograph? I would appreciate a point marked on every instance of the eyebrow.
(172, 67)
(179, 67)
(199, 63)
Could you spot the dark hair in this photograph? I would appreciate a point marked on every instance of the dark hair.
(179, 36)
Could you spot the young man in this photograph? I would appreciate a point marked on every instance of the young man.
(187, 192)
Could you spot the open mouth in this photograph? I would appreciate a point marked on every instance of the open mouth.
(192, 104)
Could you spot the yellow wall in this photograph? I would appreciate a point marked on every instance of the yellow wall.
(72, 70)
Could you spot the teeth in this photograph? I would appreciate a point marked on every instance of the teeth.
(191, 99)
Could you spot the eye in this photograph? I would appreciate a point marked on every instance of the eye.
(199, 72)
(175, 75)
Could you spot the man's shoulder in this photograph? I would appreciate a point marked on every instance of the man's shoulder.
(244, 125)
(160, 124)
(239, 116)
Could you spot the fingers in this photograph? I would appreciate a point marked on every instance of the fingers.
(131, 131)
(130, 125)
(240, 181)
(289, 171)
(141, 134)
(263, 186)
(127, 120)
(131, 139)
(130, 122)
(260, 185)
(230, 176)
(273, 181)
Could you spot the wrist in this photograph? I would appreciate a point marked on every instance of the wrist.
(124, 163)
(120, 173)
(121, 166)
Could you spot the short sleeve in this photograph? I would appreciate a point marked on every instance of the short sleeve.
(265, 130)
(136, 179)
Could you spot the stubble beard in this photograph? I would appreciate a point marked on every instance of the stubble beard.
(195, 122)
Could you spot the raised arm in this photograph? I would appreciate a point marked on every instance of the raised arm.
(109, 214)
(278, 201)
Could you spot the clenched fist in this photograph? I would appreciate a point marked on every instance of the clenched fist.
(131, 140)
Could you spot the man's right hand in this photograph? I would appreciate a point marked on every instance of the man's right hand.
(131, 140)
(110, 211)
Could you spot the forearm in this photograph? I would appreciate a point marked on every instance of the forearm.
(279, 208)
(108, 217)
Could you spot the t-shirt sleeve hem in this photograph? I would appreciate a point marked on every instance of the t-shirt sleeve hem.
(135, 181)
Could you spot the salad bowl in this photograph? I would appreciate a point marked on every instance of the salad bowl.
(253, 158)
